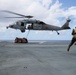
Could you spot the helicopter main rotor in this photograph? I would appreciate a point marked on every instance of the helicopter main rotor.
(22, 16)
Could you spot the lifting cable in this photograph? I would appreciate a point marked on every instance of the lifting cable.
(27, 34)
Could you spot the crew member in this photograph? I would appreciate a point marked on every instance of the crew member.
(73, 38)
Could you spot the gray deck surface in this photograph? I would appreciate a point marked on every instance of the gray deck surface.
(37, 59)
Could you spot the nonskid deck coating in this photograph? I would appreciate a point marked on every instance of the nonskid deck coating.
(37, 59)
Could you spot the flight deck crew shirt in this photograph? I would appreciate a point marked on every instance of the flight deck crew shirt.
(74, 33)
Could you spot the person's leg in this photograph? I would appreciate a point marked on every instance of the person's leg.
(72, 42)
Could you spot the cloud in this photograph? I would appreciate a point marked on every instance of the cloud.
(14, 5)
(45, 3)
(2, 29)
(49, 11)
(37, 10)
(72, 11)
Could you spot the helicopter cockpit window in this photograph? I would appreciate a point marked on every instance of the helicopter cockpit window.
(22, 23)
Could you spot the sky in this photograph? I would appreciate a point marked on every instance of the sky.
(53, 12)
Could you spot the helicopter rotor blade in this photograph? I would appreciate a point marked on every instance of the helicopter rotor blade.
(29, 16)
(13, 17)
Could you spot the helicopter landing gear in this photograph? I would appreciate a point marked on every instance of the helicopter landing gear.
(57, 32)
(7, 27)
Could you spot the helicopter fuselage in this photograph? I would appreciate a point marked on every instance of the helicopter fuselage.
(31, 24)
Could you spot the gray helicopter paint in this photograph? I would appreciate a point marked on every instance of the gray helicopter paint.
(35, 24)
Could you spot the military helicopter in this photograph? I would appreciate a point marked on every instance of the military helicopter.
(34, 24)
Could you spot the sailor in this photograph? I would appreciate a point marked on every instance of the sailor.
(73, 38)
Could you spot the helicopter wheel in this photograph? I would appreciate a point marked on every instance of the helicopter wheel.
(7, 27)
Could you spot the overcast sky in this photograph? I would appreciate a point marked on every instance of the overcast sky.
(54, 12)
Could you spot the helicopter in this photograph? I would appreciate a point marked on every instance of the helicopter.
(34, 24)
